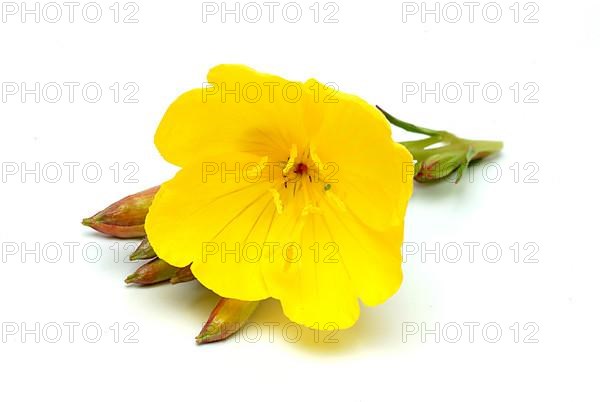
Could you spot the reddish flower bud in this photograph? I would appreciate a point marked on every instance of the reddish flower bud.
(183, 275)
(226, 319)
(125, 218)
(156, 271)
(143, 252)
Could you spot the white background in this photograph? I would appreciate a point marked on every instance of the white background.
(372, 52)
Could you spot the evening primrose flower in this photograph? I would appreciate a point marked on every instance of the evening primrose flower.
(288, 190)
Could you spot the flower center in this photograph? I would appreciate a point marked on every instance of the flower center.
(306, 180)
(301, 168)
(299, 172)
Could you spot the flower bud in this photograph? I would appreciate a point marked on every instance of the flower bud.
(183, 275)
(226, 319)
(125, 218)
(143, 252)
(155, 271)
(121, 232)
(437, 166)
(451, 154)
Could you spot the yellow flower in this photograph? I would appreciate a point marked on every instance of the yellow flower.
(288, 190)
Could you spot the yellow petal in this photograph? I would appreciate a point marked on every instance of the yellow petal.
(368, 170)
(241, 110)
(204, 217)
(314, 290)
(372, 259)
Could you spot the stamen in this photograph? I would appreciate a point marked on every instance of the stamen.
(315, 158)
(277, 200)
(292, 159)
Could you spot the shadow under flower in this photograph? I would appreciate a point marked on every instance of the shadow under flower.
(370, 331)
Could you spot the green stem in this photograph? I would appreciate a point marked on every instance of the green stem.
(407, 126)
(452, 154)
